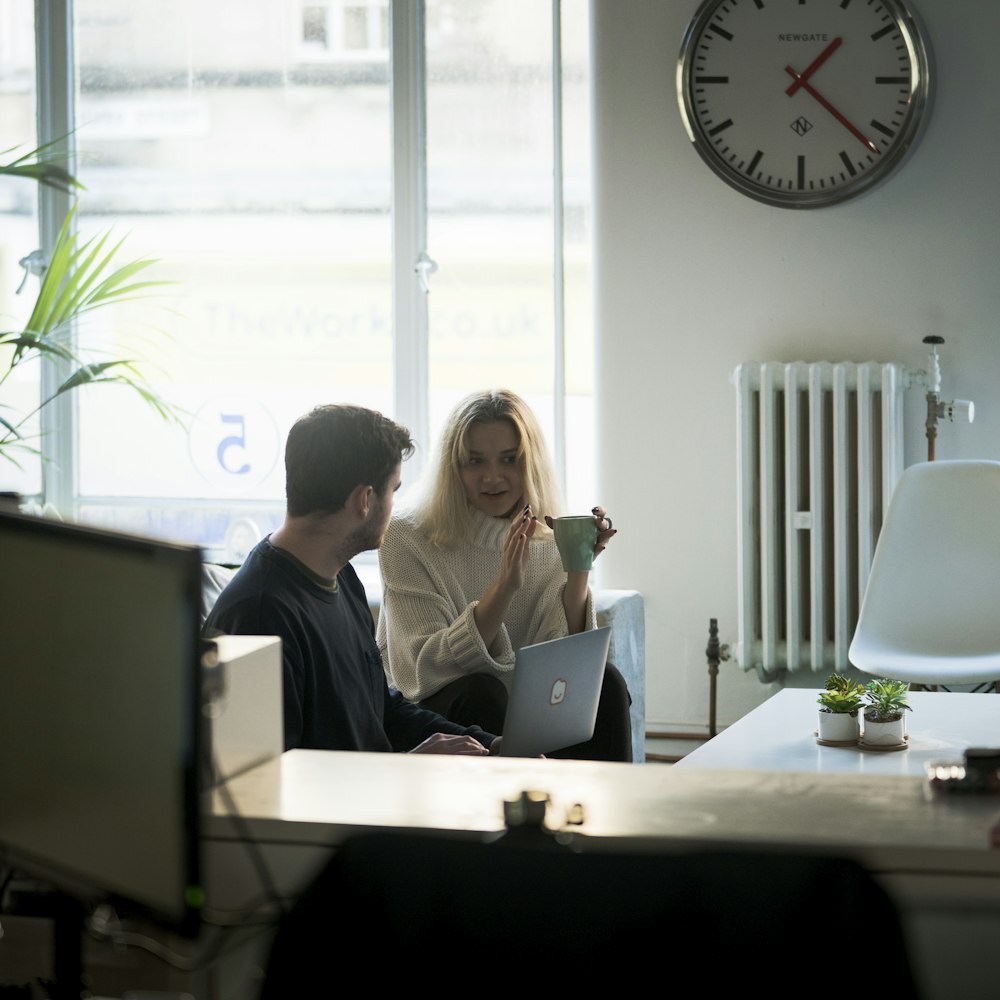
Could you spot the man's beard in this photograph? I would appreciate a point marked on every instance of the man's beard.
(364, 539)
(369, 535)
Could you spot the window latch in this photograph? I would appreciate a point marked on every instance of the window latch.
(425, 267)
(34, 263)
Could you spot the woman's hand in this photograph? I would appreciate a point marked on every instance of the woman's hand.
(577, 582)
(489, 612)
(514, 557)
(604, 530)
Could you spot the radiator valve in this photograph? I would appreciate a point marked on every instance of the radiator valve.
(938, 409)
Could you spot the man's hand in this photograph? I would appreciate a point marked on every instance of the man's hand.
(453, 744)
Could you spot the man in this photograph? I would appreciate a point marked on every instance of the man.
(342, 467)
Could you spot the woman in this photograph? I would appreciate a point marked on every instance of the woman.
(470, 574)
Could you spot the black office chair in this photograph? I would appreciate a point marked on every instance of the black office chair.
(402, 910)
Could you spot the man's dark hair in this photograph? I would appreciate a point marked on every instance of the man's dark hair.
(334, 449)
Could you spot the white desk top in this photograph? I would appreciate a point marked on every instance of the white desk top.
(316, 798)
(930, 851)
(779, 735)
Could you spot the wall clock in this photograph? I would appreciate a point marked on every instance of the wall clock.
(803, 103)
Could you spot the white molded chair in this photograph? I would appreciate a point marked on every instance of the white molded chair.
(931, 609)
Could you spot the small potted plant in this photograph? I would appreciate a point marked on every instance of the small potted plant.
(885, 711)
(839, 710)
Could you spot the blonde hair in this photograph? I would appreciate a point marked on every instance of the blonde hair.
(442, 511)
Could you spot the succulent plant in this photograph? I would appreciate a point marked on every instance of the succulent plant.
(834, 701)
(886, 699)
(842, 695)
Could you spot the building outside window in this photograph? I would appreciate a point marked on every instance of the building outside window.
(257, 152)
(344, 29)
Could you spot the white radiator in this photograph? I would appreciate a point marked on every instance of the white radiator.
(820, 450)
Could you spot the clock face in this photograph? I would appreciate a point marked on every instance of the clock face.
(802, 103)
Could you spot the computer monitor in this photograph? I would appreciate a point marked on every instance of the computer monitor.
(100, 716)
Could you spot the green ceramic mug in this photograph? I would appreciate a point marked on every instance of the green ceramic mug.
(576, 537)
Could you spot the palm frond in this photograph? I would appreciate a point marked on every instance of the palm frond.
(82, 275)
(98, 372)
(30, 341)
(6, 447)
(13, 440)
(42, 167)
(10, 428)
(120, 372)
(59, 263)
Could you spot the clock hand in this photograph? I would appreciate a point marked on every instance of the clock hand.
(810, 89)
(800, 81)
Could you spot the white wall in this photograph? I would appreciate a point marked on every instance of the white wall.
(693, 278)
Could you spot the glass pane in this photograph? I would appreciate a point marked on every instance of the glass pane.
(491, 223)
(490, 219)
(222, 140)
(19, 390)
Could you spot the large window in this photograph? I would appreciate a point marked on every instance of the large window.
(19, 393)
(352, 203)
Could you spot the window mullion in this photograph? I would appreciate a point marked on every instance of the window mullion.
(55, 90)
(409, 221)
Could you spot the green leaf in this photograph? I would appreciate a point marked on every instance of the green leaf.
(43, 170)
(83, 275)
(11, 428)
(96, 372)
(49, 174)
(29, 341)
(886, 698)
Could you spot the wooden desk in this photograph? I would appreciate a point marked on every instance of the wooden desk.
(316, 798)
(779, 735)
(934, 854)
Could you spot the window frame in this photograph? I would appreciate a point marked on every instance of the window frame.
(412, 265)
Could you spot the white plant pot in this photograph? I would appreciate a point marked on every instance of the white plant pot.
(839, 727)
(884, 734)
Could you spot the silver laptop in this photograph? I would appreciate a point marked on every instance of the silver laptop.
(557, 687)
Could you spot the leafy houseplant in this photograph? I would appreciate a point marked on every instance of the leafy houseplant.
(840, 704)
(81, 277)
(886, 699)
(885, 710)
(842, 695)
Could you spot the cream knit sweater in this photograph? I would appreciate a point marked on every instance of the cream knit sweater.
(426, 630)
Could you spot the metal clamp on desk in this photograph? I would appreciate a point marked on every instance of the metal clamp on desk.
(525, 821)
(527, 810)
